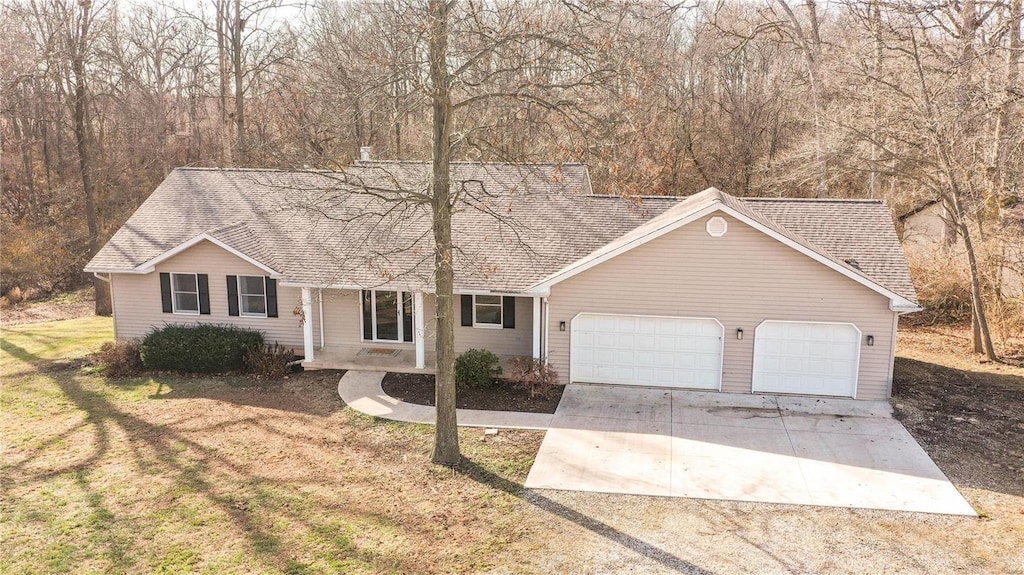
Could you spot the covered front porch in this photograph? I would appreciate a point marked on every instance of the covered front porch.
(370, 357)
(394, 330)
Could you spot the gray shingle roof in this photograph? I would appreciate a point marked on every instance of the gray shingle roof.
(513, 224)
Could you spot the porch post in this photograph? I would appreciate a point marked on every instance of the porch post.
(536, 327)
(417, 318)
(307, 324)
(320, 302)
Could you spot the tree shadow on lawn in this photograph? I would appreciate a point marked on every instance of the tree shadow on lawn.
(311, 393)
(193, 466)
(970, 422)
(483, 475)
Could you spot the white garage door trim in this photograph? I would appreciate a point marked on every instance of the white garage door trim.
(758, 380)
(573, 357)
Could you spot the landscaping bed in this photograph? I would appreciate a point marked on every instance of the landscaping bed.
(419, 388)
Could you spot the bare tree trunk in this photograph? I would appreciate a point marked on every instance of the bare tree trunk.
(446, 435)
(25, 142)
(241, 146)
(224, 71)
(84, 161)
(876, 148)
(810, 48)
(977, 301)
(976, 345)
(1006, 116)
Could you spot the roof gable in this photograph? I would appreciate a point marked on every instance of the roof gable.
(702, 204)
(150, 265)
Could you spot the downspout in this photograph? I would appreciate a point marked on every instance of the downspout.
(892, 352)
(547, 328)
(320, 296)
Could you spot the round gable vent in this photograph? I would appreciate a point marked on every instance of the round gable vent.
(717, 226)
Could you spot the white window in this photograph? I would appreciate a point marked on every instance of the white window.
(185, 293)
(487, 311)
(252, 295)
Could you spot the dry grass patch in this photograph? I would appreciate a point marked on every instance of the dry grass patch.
(179, 474)
(79, 303)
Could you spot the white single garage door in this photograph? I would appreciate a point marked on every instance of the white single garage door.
(807, 358)
(646, 350)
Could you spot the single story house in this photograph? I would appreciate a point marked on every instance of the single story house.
(709, 291)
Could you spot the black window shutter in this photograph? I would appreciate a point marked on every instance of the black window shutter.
(271, 297)
(467, 311)
(407, 316)
(367, 299)
(203, 281)
(508, 312)
(232, 295)
(165, 292)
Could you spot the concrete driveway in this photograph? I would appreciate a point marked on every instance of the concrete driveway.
(646, 441)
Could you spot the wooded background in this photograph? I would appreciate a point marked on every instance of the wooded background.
(901, 100)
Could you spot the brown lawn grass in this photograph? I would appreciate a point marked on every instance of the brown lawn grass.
(220, 474)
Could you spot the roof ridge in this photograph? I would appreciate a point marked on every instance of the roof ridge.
(645, 198)
(264, 170)
(469, 163)
(813, 200)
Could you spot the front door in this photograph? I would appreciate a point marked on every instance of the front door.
(387, 316)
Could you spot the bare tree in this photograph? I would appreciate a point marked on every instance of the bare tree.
(78, 24)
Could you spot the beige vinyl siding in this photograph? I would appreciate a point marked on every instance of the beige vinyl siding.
(741, 279)
(506, 342)
(138, 307)
(343, 326)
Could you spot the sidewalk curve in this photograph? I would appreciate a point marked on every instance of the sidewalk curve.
(362, 392)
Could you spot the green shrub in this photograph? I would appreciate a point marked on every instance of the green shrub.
(535, 375)
(120, 358)
(199, 348)
(477, 368)
(269, 361)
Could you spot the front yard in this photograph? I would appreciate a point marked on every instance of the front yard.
(177, 474)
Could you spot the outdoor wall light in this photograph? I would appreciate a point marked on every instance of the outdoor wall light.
(739, 333)
(561, 326)
(871, 340)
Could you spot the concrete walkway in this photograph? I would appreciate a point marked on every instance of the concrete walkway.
(362, 392)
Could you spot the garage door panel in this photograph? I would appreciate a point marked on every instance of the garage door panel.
(806, 358)
(646, 350)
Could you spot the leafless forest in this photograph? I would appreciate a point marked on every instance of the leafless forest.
(897, 99)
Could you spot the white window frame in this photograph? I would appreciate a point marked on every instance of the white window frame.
(175, 292)
(373, 318)
(241, 297)
(501, 313)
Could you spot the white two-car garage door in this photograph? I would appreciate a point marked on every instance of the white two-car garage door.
(646, 350)
(806, 358)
